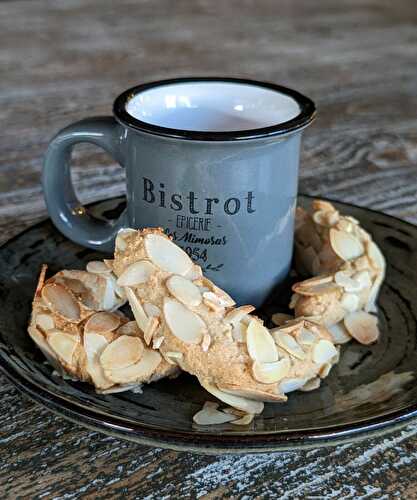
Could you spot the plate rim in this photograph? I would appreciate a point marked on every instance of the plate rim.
(208, 442)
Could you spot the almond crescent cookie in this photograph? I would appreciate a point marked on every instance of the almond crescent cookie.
(196, 326)
(72, 324)
(348, 269)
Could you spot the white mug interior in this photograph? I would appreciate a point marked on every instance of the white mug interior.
(212, 106)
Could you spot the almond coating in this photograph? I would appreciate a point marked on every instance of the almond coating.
(201, 336)
(334, 247)
(74, 336)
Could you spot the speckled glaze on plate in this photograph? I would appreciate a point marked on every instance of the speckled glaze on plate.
(372, 390)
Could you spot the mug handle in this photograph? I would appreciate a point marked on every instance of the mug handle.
(64, 208)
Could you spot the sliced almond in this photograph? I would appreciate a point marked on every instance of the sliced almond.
(195, 273)
(309, 291)
(174, 355)
(151, 309)
(120, 242)
(167, 255)
(371, 305)
(292, 329)
(352, 219)
(239, 332)
(137, 309)
(61, 301)
(135, 388)
(121, 353)
(213, 404)
(325, 218)
(362, 326)
(245, 420)
(311, 319)
(323, 352)
(138, 372)
(137, 273)
(318, 329)
(345, 225)
(306, 337)
(237, 314)
(291, 325)
(63, 344)
(150, 330)
(97, 267)
(253, 394)
(246, 405)
(75, 285)
(289, 344)
(183, 323)
(41, 279)
(107, 299)
(347, 282)
(363, 278)
(222, 297)
(205, 344)
(325, 370)
(126, 231)
(214, 302)
(108, 263)
(260, 344)
(168, 359)
(221, 300)
(339, 333)
(311, 385)
(247, 319)
(119, 291)
(129, 328)
(102, 322)
(213, 306)
(362, 263)
(320, 217)
(234, 411)
(45, 322)
(362, 234)
(157, 342)
(41, 342)
(94, 345)
(375, 255)
(349, 302)
(322, 205)
(270, 373)
(183, 290)
(211, 416)
(345, 245)
(335, 359)
(316, 280)
(294, 299)
(291, 384)
(281, 318)
(333, 218)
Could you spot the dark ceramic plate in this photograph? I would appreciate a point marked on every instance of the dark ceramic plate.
(370, 391)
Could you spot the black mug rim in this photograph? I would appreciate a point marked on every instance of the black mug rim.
(305, 116)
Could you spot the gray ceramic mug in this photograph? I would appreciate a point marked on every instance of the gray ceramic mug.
(214, 161)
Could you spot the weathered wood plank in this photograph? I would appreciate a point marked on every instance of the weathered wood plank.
(62, 61)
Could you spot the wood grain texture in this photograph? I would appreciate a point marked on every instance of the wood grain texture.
(64, 60)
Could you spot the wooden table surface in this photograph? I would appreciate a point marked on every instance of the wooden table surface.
(64, 60)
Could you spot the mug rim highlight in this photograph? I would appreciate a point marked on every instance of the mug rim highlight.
(305, 116)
